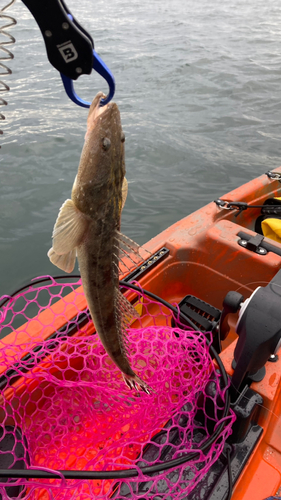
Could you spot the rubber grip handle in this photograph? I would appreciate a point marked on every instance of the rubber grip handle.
(69, 48)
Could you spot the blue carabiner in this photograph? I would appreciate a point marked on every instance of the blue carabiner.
(100, 67)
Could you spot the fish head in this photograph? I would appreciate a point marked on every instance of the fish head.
(102, 165)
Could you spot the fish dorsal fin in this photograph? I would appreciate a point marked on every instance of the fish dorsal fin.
(126, 244)
(129, 252)
(70, 228)
(66, 262)
(127, 310)
(126, 313)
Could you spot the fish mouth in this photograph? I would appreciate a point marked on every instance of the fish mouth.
(96, 110)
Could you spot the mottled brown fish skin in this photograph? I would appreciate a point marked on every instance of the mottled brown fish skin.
(99, 280)
(88, 225)
(98, 187)
(97, 193)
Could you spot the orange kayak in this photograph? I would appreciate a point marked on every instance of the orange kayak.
(220, 268)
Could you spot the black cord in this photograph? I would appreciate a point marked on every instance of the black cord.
(128, 473)
(240, 205)
(37, 282)
(229, 472)
(176, 311)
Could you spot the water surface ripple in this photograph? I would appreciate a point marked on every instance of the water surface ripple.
(198, 86)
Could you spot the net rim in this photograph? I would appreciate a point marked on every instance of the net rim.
(132, 472)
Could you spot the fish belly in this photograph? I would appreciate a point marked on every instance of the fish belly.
(98, 263)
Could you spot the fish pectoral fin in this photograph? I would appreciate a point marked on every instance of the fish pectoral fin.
(70, 228)
(66, 261)
(130, 254)
(124, 192)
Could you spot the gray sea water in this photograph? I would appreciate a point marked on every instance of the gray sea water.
(198, 84)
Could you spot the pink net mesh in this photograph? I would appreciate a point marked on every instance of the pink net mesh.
(65, 406)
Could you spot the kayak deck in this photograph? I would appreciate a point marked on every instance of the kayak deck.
(205, 260)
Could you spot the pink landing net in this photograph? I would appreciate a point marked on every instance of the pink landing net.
(65, 406)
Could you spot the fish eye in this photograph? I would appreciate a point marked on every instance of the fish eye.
(122, 137)
(106, 143)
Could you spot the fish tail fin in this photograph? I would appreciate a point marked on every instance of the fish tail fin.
(66, 261)
(135, 382)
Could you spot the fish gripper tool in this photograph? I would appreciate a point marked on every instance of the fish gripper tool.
(70, 49)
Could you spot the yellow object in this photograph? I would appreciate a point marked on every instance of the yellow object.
(271, 228)
(138, 306)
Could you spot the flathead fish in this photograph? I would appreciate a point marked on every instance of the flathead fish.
(88, 225)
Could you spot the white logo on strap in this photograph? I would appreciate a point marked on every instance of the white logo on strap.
(68, 51)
